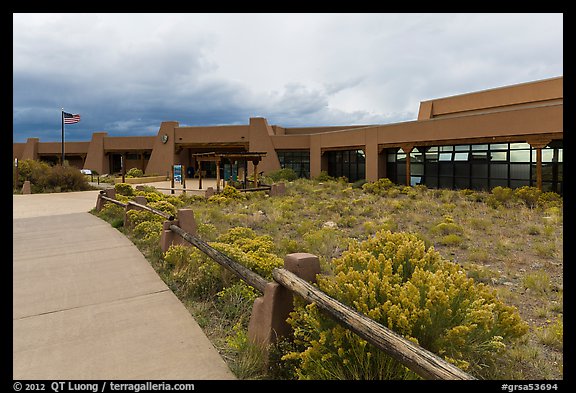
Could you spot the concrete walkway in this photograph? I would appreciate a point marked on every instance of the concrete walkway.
(88, 305)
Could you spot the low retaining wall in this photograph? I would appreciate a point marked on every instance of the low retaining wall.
(138, 180)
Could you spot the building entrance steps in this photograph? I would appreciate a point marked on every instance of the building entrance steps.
(88, 305)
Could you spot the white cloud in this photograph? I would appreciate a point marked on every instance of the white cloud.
(299, 68)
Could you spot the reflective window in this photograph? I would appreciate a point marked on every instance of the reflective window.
(298, 160)
(462, 182)
(446, 148)
(416, 169)
(479, 155)
(479, 170)
(498, 146)
(461, 169)
(514, 146)
(499, 171)
(461, 156)
(480, 147)
(520, 171)
(445, 157)
(498, 156)
(519, 155)
(479, 184)
(519, 183)
(462, 147)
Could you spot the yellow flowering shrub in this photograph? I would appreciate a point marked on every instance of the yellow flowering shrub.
(227, 194)
(124, 189)
(396, 280)
(205, 278)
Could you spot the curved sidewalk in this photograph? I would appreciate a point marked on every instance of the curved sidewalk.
(88, 305)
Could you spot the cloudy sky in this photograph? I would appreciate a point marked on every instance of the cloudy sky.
(126, 73)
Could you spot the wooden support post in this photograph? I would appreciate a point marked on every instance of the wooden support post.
(255, 173)
(539, 168)
(171, 179)
(184, 179)
(123, 166)
(407, 149)
(199, 174)
(217, 175)
(245, 174)
(539, 144)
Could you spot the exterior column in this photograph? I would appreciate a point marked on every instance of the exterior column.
(218, 176)
(255, 173)
(407, 149)
(539, 168)
(199, 174)
(539, 145)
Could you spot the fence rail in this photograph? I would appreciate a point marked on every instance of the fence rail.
(138, 205)
(421, 361)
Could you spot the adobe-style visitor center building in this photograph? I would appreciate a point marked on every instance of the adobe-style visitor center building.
(507, 136)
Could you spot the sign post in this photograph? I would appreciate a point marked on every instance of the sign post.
(16, 176)
(178, 173)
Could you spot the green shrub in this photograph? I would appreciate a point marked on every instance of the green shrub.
(358, 183)
(148, 231)
(45, 178)
(228, 194)
(324, 176)
(287, 174)
(65, 178)
(124, 189)
(199, 276)
(393, 279)
(549, 199)
(451, 240)
(447, 227)
(163, 206)
(538, 281)
(134, 172)
(379, 187)
(503, 195)
(528, 195)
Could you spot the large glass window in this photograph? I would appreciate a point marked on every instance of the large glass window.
(479, 166)
(349, 163)
(298, 160)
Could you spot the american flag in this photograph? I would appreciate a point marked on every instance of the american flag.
(70, 118)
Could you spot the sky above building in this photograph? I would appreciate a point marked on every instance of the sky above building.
(126, 73)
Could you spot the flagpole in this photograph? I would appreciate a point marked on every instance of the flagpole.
(62, 158)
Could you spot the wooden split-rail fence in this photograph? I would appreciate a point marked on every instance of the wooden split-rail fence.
(269, 313)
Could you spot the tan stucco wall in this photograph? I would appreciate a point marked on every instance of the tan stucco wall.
(543, 91)
(290, 141)
(212, 134)
(547, 119)
(31, 149)
(163, 154)
(529, 111)
(128, 143)
(95, 158)
(261, 141)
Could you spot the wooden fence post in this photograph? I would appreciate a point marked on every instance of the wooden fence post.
(186, 221)
(138, 199)
(270, 312)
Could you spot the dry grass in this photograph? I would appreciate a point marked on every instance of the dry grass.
(515, 249)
